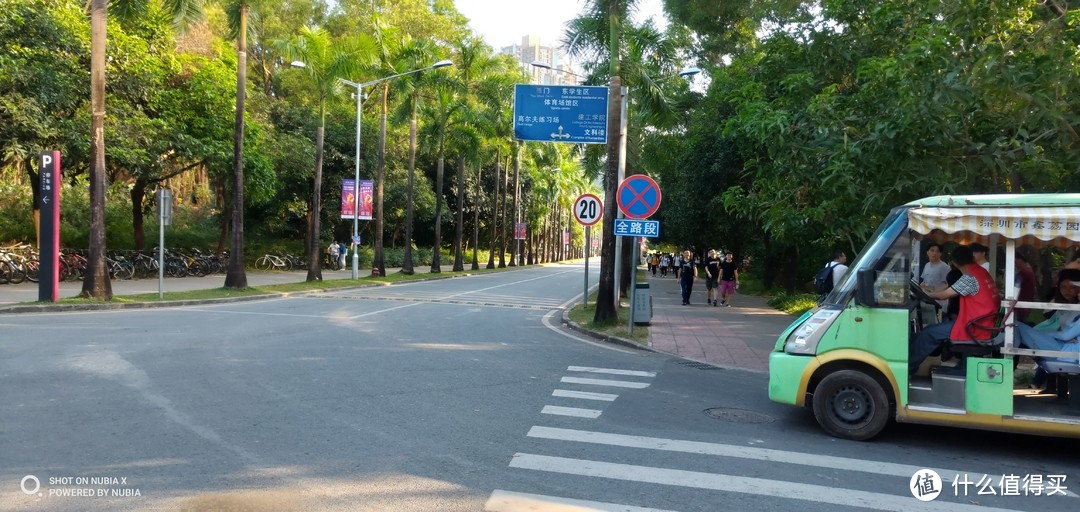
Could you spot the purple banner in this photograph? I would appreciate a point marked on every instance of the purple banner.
(348, 198)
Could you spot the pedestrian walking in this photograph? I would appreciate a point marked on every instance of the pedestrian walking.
(729, 279)
(688, 272)
(678, 264)
(665, 262)
(343, 251)
(712, 278)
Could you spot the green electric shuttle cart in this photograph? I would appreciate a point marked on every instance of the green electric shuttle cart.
(847, 358)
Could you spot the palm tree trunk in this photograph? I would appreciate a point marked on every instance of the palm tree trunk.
(96, 283)
(492, 240)
(459, 264)
(235, 275)
(407, 265)
(605, 295)
(476, 218)
(314, 254)
(378, 263)
(435, 254)
(138, 194)
(503, 178)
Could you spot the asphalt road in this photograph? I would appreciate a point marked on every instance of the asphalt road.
(450, 395)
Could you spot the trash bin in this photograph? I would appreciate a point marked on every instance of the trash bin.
(642, 304)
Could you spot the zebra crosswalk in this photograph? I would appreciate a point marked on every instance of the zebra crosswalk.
(580, 448)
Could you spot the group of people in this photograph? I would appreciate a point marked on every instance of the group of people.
(720, 271)
(336, 254)
(969, 294)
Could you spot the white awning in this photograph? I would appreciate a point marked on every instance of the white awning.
(1047, 224)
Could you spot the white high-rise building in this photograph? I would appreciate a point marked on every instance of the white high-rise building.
(531, 50)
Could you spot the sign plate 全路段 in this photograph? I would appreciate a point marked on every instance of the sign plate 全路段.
(560, 113)
(637, 227)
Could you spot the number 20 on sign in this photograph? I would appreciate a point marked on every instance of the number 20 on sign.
(588, 209)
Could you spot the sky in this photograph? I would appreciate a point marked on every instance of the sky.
(504, 22)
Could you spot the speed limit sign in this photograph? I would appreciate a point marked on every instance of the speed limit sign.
(588, 209)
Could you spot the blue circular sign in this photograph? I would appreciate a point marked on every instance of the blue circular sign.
(638, 197)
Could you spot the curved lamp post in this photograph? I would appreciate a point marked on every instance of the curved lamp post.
(356, 183)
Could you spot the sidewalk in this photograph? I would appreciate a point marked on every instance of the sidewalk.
(740, 336)
(27, 291)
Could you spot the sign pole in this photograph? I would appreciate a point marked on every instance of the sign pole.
(585, 296)
(633, 285)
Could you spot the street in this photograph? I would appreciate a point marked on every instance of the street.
(449, 395)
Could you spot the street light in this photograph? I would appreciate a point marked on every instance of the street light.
(544, 65)
(356, 182)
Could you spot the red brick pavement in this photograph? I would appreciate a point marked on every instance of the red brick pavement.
(739, 336)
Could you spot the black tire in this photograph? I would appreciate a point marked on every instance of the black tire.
(850, 404)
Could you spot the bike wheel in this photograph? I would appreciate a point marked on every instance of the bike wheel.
(32, 270)
(17, 274)
(263, 264)
(5, 272)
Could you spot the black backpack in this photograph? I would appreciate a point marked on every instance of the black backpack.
(823, 281)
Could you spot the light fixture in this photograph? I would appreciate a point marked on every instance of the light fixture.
(689, 72)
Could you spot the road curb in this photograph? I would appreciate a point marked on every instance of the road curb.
(601, 336)
(113, 306)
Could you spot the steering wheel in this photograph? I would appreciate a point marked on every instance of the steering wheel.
(921, 296)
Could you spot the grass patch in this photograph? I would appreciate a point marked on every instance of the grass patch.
(794, 304)
(583, 315)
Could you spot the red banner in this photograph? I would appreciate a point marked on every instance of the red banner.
(519, 231)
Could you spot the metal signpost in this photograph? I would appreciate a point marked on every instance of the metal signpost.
(164, 201)
(639, 198)
(587, 210)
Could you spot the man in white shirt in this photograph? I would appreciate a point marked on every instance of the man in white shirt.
(838, 266)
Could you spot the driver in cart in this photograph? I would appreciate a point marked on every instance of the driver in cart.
(978, 298)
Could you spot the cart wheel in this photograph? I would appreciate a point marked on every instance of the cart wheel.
(850, 404)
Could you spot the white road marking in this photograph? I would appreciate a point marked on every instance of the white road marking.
(584, 395)
(605, 382)
(737, 484)
(571, 411)
(508, 501)
(611, 371)
(741, 452)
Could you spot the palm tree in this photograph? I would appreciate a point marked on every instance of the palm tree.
(597, 34)
(236, 274)
(96, 283)
(414, 53)
(440, 115)
(324, 60)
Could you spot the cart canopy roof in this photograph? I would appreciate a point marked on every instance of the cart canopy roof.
(1028, 218)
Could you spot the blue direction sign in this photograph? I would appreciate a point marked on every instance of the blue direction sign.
(638, 196)
(560, 113)
(637, 227)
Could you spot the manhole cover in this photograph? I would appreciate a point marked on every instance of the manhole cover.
(733, 415)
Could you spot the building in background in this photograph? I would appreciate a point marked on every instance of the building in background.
(531, 50)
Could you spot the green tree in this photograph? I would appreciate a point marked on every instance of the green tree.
(324, 61)
(96, 281)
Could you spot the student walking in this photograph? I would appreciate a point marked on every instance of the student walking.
(729, 279)
(688, 272)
